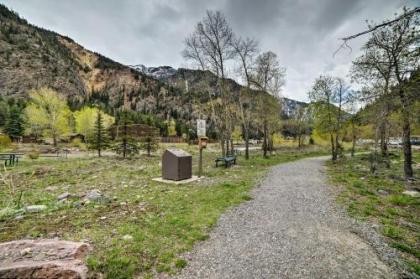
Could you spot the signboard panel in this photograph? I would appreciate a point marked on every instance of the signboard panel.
(201, 128)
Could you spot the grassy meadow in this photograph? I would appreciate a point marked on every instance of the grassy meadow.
(379, 198)
(145, 225)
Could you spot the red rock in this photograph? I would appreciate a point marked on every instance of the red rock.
(43, 258)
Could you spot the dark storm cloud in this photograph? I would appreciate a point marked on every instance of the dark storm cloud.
(302, 32)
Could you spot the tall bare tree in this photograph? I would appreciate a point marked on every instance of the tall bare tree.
(374, 68)
(210, 45)
(395, 47)
(268, 76)
(246, 50)
(407, 13)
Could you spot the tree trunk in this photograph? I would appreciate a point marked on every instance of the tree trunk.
(408, 169)
(222, 145)
(227, 147)
(333, 151)
(54, 140)
(232, 149)
(124, 147)
(337, 146)
(383, 141)
(246, 144)
(265, 142)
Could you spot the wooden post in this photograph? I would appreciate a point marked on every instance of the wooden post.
(200, 162)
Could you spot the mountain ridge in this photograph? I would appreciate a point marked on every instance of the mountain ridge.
(32, 57)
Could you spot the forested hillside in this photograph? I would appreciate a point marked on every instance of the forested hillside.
(32, 57)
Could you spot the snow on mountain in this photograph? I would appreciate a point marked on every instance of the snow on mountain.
(161, 72)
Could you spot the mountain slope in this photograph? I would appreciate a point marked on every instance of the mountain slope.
(197, 80)
(32, 57)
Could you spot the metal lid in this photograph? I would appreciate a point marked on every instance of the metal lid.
(179, 152)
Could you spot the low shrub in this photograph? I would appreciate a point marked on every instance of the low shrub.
(5, 141)
(34, 154)
(78, 143)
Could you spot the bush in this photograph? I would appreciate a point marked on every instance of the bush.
(311, 141)
(5, 141)
(34, 154)
(78, 143)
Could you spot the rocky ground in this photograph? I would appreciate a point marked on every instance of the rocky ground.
(292, 228)
(43, 258)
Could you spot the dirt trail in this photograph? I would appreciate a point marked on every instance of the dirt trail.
(291, 229)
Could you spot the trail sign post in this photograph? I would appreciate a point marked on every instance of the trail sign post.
(202, 142)
(201, 128)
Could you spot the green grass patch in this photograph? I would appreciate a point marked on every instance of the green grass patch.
(162, 221)
(378, 198)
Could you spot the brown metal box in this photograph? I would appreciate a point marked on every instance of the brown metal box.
(176, 164)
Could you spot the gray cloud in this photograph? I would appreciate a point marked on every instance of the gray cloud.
(302, 32)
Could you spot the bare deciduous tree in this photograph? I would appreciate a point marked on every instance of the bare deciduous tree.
(246, 50)
(392, 53)
(210, 45)
(268, 76)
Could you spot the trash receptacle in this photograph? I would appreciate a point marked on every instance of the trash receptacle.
(176, 164)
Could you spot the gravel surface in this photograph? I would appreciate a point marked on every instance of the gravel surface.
(291, 229)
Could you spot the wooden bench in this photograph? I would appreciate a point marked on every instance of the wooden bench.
(10, 159)
(227, 161)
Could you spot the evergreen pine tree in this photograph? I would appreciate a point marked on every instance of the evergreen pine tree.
(149, 143)
(126, 144)
(100, 139)
(14, 127)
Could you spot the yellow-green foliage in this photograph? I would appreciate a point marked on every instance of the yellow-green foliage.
(48, 114)
(5, 141)
(171, 127)
(320, 138)
(237, 134)
(279, 140)
(85, 120)
(34, 154)
(77, 142)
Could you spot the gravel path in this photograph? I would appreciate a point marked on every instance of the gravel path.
(291, 229)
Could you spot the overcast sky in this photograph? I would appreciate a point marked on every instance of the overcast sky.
(302, 32)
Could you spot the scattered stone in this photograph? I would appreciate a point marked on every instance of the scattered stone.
(409, 225)
(127, 237)
(103, 218)
(383, 192)
(94, 195)
(35, 208)
(51, 188)
(414, 194)
(64, 196)
(43, 258)
(77, 204)
(43, 170)
(142, 206)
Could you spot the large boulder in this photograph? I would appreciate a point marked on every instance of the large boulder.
(43, 258)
